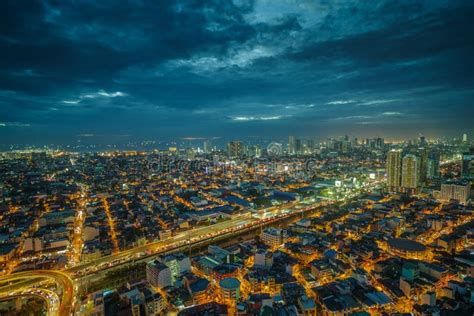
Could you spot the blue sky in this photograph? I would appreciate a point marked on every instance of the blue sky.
(172, 69)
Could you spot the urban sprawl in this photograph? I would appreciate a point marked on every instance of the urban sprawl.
(341, 227)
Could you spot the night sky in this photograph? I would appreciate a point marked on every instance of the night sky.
(159, 69)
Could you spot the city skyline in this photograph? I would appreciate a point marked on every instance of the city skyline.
(129, 72)
(237, 157)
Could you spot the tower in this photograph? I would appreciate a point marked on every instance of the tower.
(291, 145)
(235, 149)
(207, 146)
(410, 172)
(394, 158)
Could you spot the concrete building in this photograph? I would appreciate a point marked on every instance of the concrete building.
(273, 237)
(467, 171)
(235, 149)
(158, 274)
(428, 298)
(410, 172)
(455, 191)
(230, 290)
(178, 264)
(263, 259)
(394, 160)
(307, 306)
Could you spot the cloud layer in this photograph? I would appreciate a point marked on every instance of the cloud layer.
(169, 69)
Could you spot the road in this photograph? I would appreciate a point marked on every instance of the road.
(63, 281)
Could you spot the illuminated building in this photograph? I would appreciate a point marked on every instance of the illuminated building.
(273, 237)
(230, 290)
(423, 165)
(178, 264)
(410, 172)
(394, 159)
(455, 191)
(158, 274)
(291, 145)
(307, 306)
(432, 168)
(207, 146)
(406, 248)
(235, 149)
(467, 171)
(261, 280)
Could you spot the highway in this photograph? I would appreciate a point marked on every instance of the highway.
(63, 281)
(50, 298)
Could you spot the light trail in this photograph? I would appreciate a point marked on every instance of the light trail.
(60, 278)
(110, 220)
(77, 238)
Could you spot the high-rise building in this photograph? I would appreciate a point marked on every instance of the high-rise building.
(467, 171)
(207, 146)
(394, 160)
(235, 149)
(410, 172)
(375, 143)
(432, 168)
(254, 151)
(423, 160)
(379, 142)
(464, 138)
(298, 147)
(291, 145)
(455, 191)
(422, 140)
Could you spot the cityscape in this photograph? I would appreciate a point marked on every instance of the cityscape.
(241, 158)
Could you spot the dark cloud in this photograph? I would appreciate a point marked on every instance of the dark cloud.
(234, 68)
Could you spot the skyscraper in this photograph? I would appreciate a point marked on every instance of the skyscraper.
(410, 172)
(235, 149)
(423, 166)
(291, 145)
(464, 138)
(298, 147)
(394, 158)
(432, 168)
(207, 146)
